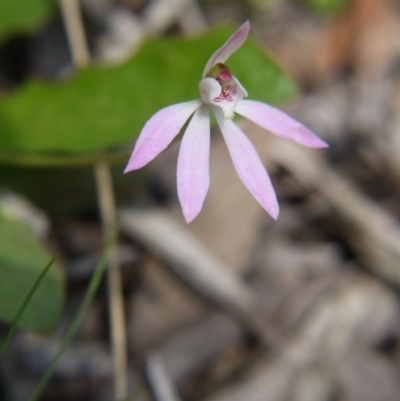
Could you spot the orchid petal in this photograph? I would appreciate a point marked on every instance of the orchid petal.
(209, 89)
(248, 164)
(193, 178)
(229, 47)
(278, 123)
(159, 131)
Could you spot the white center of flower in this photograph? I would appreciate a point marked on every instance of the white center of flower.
(221, 89)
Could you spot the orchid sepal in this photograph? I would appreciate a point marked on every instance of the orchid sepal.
(159, 132)
(228, 48)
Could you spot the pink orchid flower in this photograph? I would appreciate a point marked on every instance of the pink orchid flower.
(223, 94)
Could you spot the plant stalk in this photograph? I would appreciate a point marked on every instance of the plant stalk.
(77, 40)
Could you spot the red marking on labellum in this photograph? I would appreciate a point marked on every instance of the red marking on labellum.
(227, 94)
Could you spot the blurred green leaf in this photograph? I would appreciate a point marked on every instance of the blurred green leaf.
(264, 3)
(25, 303)
(23, 15)
(72, 188)
(21, 261)
(102, 107)
(327, 6)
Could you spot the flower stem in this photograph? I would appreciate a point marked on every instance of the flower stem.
(116, 302)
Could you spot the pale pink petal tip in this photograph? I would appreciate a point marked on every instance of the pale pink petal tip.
(131, 166)
(279, 123)
(306, 137)
(274, 211)
(190, 214)
(133, 163)
(228, 48)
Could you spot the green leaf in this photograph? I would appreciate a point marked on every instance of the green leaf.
(18, 16)
(327, 6)
(21, 261)
(100, 108)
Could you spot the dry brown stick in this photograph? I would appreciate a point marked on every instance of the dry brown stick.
(372, 232)
(80, 53)
(160, 382)
(116, 302)
(191, 18)
(197, 266)
(75, 32)
(272, 379)
(160, 14)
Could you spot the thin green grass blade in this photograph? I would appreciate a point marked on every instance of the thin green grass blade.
(25, 303)
(92, 288)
